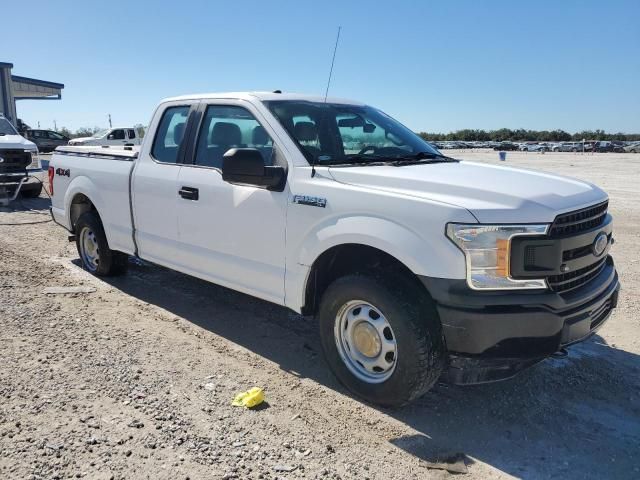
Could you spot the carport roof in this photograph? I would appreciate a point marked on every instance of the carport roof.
(31, 88)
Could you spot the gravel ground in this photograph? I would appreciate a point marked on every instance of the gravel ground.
(135, 380)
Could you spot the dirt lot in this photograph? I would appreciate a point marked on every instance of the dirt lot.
(135, 380)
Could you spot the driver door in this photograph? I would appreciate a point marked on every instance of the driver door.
(232, 235)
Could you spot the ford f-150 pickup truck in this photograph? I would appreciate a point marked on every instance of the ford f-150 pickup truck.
(110, 137)
(418, 266)
(17, 156)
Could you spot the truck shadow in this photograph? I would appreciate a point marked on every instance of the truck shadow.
(22, 204)
(578, 417)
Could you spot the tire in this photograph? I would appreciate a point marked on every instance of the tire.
(420, 354)
(93, 248)
(31, 192)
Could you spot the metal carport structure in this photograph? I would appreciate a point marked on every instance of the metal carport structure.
(14, 87)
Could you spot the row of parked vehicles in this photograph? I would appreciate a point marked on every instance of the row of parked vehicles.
(590, 146)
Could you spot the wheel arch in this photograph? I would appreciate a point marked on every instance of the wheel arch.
(348, 258)
(81, 196)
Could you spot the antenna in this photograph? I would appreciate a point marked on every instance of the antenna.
(335, 49)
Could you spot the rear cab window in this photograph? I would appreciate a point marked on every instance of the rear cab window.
(169, 134)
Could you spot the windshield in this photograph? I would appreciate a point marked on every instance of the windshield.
(330, 133)
(99, 134)
(6, 128)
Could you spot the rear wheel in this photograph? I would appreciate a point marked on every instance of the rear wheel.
(94, 250)
(382, 338)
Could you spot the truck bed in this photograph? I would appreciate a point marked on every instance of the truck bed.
(103, 171)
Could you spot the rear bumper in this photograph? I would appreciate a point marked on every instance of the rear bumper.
(493, 335)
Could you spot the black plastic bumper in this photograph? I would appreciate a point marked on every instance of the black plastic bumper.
(493, 335)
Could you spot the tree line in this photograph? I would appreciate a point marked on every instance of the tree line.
(522, 135)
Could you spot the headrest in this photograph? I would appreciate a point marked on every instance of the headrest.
(259, 136)
(225, 133)
(178, 133)
(306, 131)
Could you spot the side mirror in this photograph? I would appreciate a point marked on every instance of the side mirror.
(110, 137)
(245, 166)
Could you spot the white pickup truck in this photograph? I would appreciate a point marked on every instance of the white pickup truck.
(418, 266)
(111, 137)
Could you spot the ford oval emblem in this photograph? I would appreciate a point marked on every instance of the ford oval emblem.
(600, 244)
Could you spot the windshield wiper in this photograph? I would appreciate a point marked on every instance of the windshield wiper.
(358, 159)
(421, 157)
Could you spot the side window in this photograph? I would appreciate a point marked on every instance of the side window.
(169, 134)
(55, 136)
(116, 135)
(225, 127)
(132, 133)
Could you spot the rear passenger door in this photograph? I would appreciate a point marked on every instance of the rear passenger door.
(233, 235)
(155, 185)
(132, 137)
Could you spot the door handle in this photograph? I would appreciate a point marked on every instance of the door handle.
(189, 193)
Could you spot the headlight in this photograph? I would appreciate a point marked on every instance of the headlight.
(35, 160)
(487, 249)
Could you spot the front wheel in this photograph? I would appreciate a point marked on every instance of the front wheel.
(94, 250)
(382, 338)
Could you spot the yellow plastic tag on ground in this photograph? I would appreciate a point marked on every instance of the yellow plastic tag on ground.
(249, 399)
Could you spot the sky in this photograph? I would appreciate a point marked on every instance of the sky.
(436, 66)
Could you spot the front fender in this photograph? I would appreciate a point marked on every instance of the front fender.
(433, 256)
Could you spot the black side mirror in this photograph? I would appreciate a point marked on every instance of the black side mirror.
(246, 166)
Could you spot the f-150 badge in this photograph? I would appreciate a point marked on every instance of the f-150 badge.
(311, 201)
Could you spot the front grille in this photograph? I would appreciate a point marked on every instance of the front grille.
(579, 220)
(12, 169)
(14, 161)
(571, 280)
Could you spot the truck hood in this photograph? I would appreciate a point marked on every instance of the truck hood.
(492, 193)
(16, 141)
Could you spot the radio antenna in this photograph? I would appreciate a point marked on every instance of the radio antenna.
(335, 49)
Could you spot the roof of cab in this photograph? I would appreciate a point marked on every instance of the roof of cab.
(262, 96)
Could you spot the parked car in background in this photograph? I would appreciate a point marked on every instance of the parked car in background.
(506, 146)
(116, 137)
(567, 147)
(633, 147)
(537, 147)
(605, 147)
(46, 140)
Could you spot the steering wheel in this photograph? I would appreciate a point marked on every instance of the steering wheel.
(367, 148)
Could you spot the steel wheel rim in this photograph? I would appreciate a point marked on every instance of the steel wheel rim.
(365, 341)
(89, 249)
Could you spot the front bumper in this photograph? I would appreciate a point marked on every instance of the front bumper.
(493, 335)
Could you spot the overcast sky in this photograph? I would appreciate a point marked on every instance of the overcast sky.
(436, 66)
